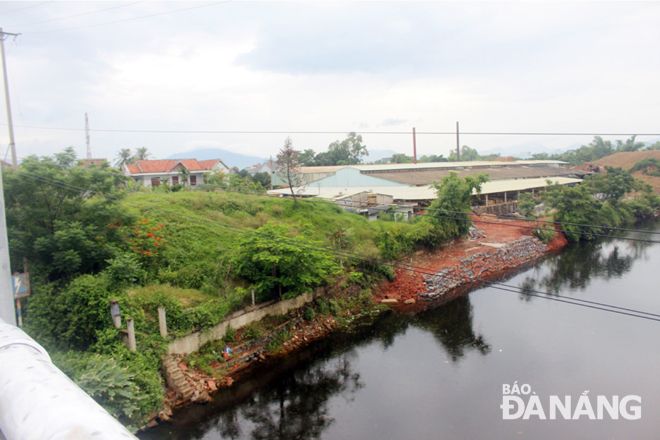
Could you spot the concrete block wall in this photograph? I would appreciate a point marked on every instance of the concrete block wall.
(194, 341)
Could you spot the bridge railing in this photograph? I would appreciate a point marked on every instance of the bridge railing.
(38, 401)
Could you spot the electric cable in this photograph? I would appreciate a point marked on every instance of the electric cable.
(452, 133)
(128, 19)
(77, 15)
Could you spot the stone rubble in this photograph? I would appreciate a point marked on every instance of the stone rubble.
(480, 265)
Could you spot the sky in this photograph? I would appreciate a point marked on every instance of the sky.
(140, 69)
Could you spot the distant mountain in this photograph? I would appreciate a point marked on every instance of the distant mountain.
(524, 151)
(375, 155)
(231, 159)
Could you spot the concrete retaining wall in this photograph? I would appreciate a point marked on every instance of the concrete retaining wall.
(194, 341)
(499, 209)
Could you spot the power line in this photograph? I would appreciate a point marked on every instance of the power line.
(407, 133)
(129, 19)
(403, 266)
(77, 15)
(24, 7)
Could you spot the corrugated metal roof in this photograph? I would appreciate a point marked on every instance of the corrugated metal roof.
(424, 192)
(440, 165)
(426, 165)
(428, 176)
(499, 186)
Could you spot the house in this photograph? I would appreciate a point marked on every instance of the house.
(89, 163)
(260, 168)
(173, 171)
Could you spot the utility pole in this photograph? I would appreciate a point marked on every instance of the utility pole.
(458, 145)
(89, 147)
(12, 144)
(271, 172)
(7, 311)
(414, 146)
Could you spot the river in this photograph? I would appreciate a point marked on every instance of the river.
(441, 373)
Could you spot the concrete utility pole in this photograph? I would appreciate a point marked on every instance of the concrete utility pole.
(414, 146)
(7, 312)
(458, 145)
(12, 144)
(89, 147)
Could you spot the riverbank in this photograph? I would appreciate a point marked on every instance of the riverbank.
(497, 247)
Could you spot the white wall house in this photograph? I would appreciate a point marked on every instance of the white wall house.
(190, 172)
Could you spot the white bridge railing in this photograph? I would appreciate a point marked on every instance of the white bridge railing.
(38, 401)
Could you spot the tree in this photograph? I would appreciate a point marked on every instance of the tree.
(67, 158)
(307, 158)
(141, 153)
(467, 154)
(283, 266)
(629, 145)
(453, 203)
(288, 167)
(262, 178)
(432, 158)
(124, 156)
(575, 205)
(401, 158)
(347, 152)
(58, 218)
(611, 186)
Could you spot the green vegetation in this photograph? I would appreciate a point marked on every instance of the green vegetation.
(649, 166)
(90, 237)
(597, 149)
(467, 154)
(347, 152)
(596, 204)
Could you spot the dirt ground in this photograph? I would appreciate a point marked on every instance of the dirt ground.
(408, 284)
(627, 160)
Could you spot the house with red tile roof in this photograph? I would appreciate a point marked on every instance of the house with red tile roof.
(189, 172)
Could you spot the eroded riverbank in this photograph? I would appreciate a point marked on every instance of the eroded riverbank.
(446, 274)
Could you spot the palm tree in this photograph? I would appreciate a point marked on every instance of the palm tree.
(123, 157)
(142, 153)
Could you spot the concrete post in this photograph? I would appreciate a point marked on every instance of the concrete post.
(114, 312)
(252, 296)
(162, 321)
(131, 335)
(7, 312)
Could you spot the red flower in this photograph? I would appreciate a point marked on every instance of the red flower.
(158, 238)
(161, 225)
(145, 220)
(156, 244)
(148, 253)
(149, 234)
(136, 249)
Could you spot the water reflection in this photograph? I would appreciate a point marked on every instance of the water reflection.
(291, 400)
(579, 264)
(394, 373)
(297, 406)
(451, 326)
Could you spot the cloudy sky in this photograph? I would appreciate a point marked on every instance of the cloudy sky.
(287, 67)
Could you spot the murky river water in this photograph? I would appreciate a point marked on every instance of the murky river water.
(440, 374)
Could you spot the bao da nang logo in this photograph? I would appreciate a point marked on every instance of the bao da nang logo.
(519, 401)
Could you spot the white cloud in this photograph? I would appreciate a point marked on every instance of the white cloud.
(335, 66)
